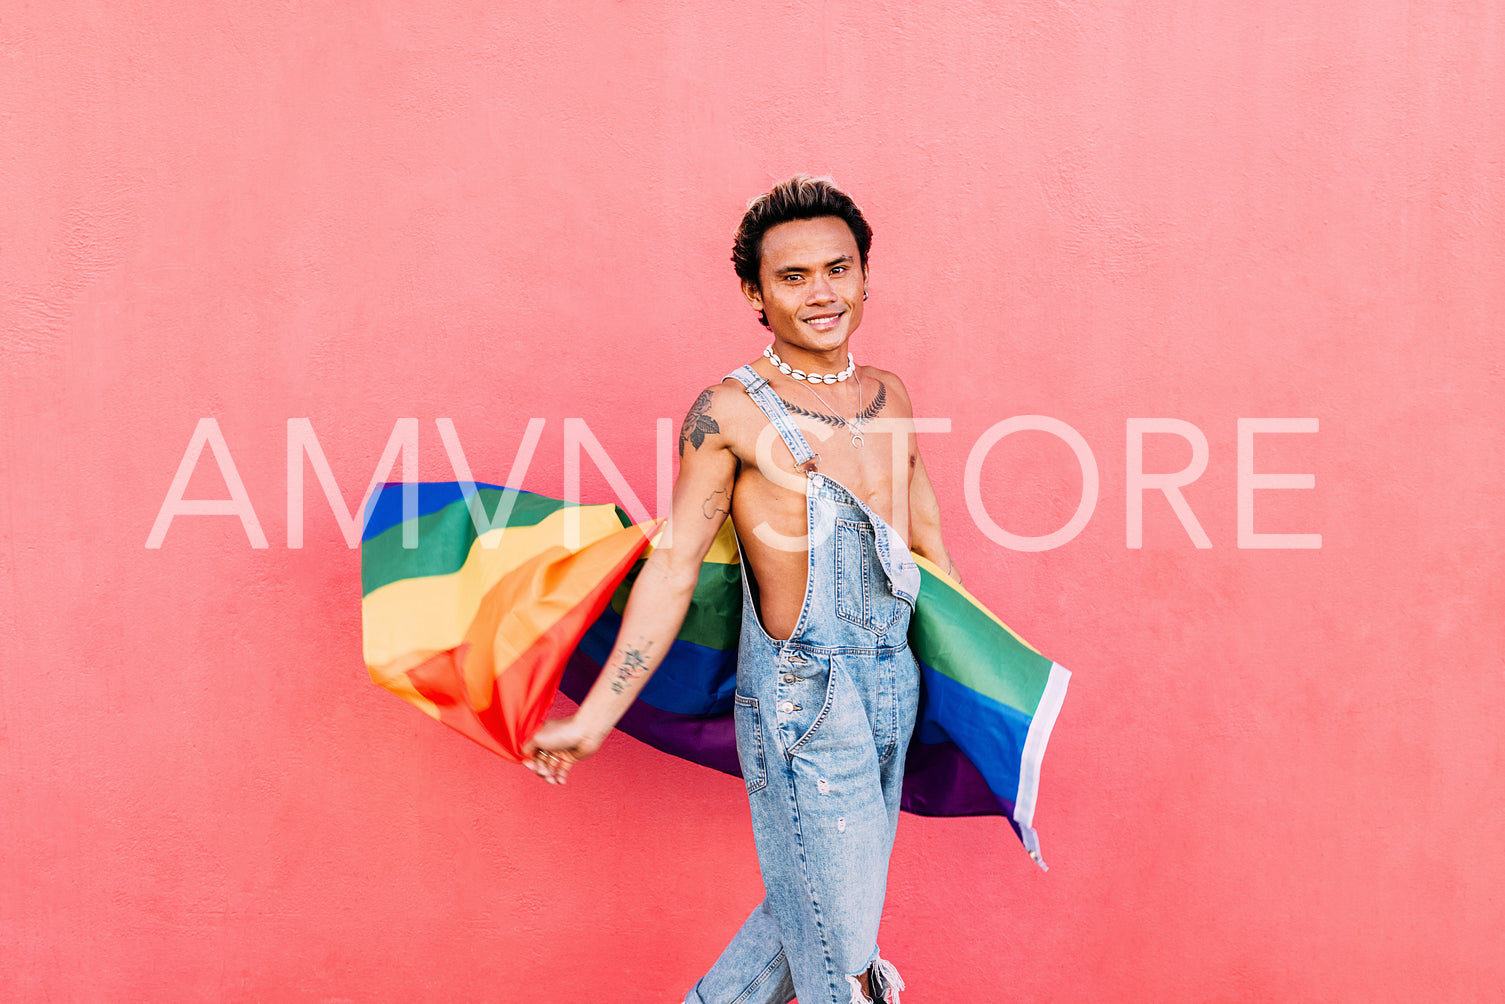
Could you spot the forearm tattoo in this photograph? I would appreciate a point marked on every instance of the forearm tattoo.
(698, 423)
(634, 664)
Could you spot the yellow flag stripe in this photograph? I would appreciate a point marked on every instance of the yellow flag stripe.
(432, 613)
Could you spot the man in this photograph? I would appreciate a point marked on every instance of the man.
(826, 685)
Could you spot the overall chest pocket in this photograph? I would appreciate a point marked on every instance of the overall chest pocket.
(862, 594)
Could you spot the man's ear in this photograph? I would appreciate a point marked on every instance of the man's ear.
(753, 293)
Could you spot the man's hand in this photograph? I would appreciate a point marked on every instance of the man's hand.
(557, 746)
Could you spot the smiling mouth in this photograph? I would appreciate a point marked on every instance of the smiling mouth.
(824, 322)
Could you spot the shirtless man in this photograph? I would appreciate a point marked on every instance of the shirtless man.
(799, 449)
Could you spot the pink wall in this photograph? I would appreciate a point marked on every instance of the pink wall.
(1277, 776)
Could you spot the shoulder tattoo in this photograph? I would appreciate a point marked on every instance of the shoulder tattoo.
(698, 422)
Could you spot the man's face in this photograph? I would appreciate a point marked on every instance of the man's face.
(812, 282)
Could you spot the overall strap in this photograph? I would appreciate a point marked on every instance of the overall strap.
(768, 402)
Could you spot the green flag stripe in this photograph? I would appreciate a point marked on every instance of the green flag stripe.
(715, 616)
(954, 637)
(445, 537)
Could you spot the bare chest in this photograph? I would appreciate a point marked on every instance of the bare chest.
(771, 488)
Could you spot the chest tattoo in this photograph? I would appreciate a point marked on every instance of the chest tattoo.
(874, 407)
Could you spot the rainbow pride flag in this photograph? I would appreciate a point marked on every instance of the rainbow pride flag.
(478, 627)
(474, 627)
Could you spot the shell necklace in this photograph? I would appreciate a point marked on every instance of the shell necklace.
(790, 371)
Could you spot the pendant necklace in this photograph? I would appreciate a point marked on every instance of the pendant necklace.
(854, 425)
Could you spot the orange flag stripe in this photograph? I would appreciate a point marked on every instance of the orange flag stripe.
(495, 687)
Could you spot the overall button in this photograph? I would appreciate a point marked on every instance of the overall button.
(786, 706)
(791, 678)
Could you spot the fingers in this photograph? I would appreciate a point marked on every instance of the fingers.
(562, 768)
(555, 748)
(553, 769)
(552, 766)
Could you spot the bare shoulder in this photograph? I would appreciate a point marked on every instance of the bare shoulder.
(716, 418)
(890, 397)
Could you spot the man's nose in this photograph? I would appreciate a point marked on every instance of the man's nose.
(821, 290)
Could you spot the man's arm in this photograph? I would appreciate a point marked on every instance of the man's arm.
(660, 597)
(924, 508)
(925, 521)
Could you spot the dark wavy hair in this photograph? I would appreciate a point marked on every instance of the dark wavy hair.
(799, 198)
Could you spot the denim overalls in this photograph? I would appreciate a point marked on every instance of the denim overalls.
(823, 722)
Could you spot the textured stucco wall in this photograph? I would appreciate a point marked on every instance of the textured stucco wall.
(1277, 776)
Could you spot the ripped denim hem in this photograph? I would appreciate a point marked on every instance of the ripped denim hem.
(883, 979)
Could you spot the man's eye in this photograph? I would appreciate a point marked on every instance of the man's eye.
(793, 278)
(838, 270)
